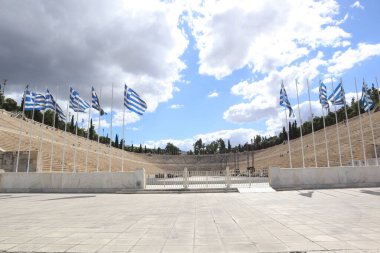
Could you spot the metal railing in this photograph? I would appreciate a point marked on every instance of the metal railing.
(185, 179)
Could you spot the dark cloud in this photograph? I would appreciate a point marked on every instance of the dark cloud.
(82, 43)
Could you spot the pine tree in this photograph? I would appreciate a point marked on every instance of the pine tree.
(228, 146)
(92, 130)
(72, 126)
(116, 141)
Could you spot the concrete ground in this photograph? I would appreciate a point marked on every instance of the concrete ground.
(337, 220)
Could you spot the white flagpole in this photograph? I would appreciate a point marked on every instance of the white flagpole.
(19, 139)
(361, 125)
(97, 153)
(88, 128)
(373, 138)
(327, 145)
(52, 138)
(30, 139)
(299, 116)
(110, 156)
(336, 121)
(76, 144)
(64, 145)
(312, 124)
(287, 126)
(373, 135)
(123, 141)
(348, 127)
(42, 133)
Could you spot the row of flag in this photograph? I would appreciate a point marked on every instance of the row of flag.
(337, 97)
(40, 102)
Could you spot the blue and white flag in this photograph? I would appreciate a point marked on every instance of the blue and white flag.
(95, 103)
(284, 101)
(51, 104)
(77, 103)
(33, 101)
(365, 101)
(337, 97)
(133, 101)
(323, 95)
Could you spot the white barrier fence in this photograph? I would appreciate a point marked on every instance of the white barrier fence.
(185, 179)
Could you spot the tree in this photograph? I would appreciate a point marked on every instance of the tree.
(145, 149)
(199, 147)
(140, 149)
(10, 105)
(116, 143)
(212, 148)
(92, 131)
(72, 127)
(132, 149)
(171, 149)
(221, 146)
(229, 146)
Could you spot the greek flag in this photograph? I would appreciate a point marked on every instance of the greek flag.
(284, 101)
(337, 97)
(33, 101)
(133, 101)
(365, 101)
(76, 102)
(323, 95)
(53, 105)
(95, 103)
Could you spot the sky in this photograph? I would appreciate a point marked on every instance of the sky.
(206, 69)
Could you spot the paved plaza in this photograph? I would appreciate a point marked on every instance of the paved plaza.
(337, 220)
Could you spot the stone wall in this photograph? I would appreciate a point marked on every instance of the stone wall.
(320, 178)
(102, 182)
(8, 161)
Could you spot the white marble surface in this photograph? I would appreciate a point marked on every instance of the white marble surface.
(344, 220)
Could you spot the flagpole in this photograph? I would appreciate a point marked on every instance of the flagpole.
(76, 144)
(30, 138)
(52, 138)
(19, 139)
(287, 125)
(97, 153)
(327, 147)
(110, 156)
(123, 141)
(373, 134)
(348, 125)
(64, 145)
(40, 151)
(299, 115)
(361, 124)
(336, 121)
(377, 87)
(312, 124)
(88, 129)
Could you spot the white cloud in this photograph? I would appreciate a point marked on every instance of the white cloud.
(130, 117)
(236, 136)
(264, 94)
(262, 35)
(358, 5)
(176, 106)
(342, 61)
(213, 94)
